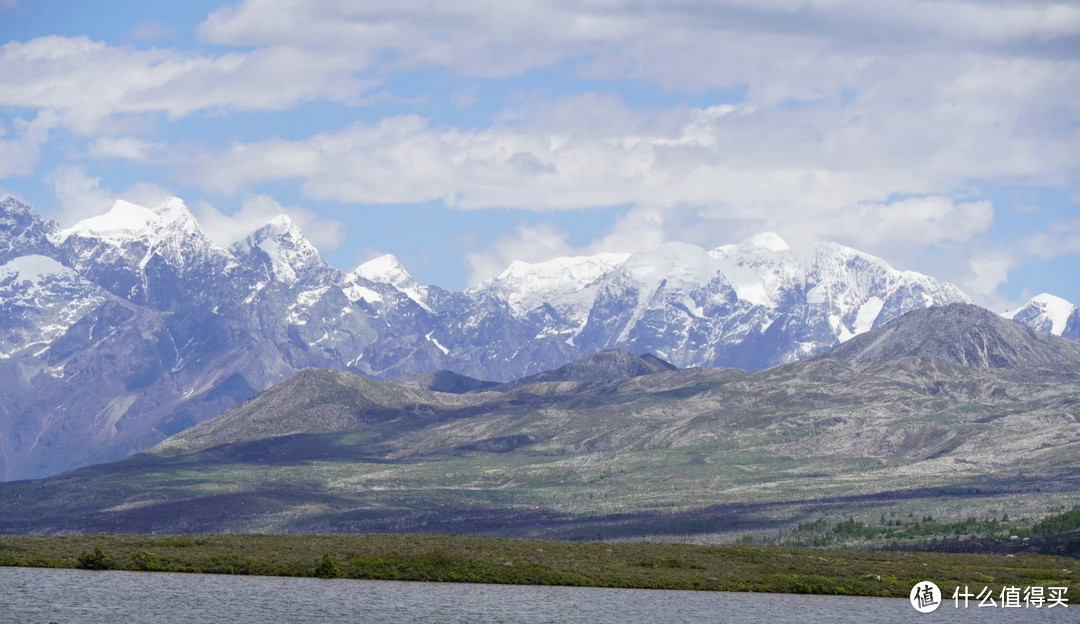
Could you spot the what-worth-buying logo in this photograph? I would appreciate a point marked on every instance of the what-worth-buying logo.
(926, 597)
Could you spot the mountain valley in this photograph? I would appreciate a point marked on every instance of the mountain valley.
(949, 412)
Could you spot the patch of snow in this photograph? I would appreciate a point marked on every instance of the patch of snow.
(355, 292)
(839, 329)
(279, 263)
(868, 313)
(33, 269)
(436, 343)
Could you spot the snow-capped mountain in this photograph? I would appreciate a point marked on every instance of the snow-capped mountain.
(278, 252)
(149, 257)
(387, 269)
(1049, 314)
(23, 232)
(133, 325)
(752, 305)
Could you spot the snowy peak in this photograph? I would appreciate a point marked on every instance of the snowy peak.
(1049, 314)
(23, 231)
(126, 222)
(675, 265)
(764, 242)
(767, 241)
(11, 208)
(385, 269)
(563, 274)
(174, 214)
(280, 251)
(581, 270)
(567, 284)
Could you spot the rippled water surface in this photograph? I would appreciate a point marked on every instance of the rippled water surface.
(29, 596)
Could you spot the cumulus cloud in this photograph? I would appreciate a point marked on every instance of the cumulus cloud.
(657, 40)
(641, 228)
(1061, 238)
(528, 243)
(256, 211)
(89, 80)
(80, 195)
(988, 271)
(927, 220)
(20, 146)
(723, 164)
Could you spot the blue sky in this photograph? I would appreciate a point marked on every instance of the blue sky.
(940, 136)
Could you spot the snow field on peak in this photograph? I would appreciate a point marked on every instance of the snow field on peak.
(387, 269)
(123, 222)
(126, 221)
(1054, 310)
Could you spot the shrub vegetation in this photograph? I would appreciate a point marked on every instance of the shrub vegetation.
(449, 558)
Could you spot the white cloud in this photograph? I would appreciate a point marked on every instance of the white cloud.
(89, 80)
(255, 212)
(80, 195)
(1061, 238)
(124, 147)
(491, 38)
(20, 147)
(722, 164)
(983, 272)
(926, 220)
(639, 229)
(535, 243)
(987, 272)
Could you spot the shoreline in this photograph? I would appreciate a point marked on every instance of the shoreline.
(467, 559)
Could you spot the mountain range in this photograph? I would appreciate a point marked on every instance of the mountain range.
(951, 412)
(132, 326)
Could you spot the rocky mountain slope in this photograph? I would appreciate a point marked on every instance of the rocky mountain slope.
(132, 325)
(961, 334)
(945, 428)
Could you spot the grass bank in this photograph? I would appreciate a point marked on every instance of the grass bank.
(452, 558)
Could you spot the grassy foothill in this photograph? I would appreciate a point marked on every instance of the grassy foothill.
(451, 558)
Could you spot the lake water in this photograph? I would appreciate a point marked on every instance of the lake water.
(32, 596)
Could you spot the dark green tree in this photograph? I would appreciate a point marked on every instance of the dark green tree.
(95, 560)
(327, 568)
